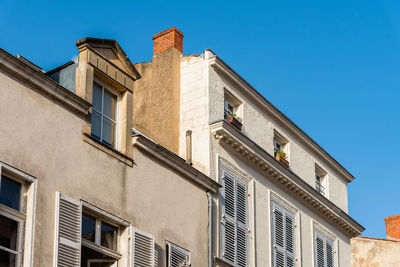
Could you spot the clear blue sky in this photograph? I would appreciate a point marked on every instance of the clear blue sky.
(331, 66)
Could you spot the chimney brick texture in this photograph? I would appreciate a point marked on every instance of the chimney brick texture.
(393, 227)
(168, 39)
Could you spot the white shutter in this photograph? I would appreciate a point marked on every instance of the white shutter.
(319, 254)
(177, 257)
(241, 216)
(67, 232)
(324, 251)
(142, 248)
(283, 237)
(234, 223)
(329, 254)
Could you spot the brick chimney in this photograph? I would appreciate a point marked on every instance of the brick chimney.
(171, 38)
(393, 227)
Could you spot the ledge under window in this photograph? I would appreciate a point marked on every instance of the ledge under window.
(108, 149)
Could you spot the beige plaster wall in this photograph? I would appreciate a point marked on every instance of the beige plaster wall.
(259, 127)
(261, 194)
(44, 139)
(367, 252)
(156, 99)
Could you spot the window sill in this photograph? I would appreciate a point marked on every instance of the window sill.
(107, 149)
(218, 262)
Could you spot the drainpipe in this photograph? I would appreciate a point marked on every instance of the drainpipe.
(189, 147)
(210, 229)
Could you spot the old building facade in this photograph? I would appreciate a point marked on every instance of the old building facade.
(78, 186)
(284, 198)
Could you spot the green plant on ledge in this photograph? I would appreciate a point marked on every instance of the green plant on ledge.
(280, 153)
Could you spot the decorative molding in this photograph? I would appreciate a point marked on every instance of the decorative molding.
(43, 83)
(282, 202)
(175, 162)
(226, 135)
(282, 119)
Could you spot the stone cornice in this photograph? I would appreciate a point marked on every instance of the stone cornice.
(271, 168)
(281, 118)
(175, 162)
(43, 83)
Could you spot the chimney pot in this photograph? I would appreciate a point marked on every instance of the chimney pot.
(393, 227)
(171, 38)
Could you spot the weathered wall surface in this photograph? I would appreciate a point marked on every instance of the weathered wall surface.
(369, 252)
(44, 139)
(157, 95)
(194, 111)
(259, 127)
(261, 194)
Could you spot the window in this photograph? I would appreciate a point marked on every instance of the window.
(283, 237)
(234, 223)
(281, 149)
(323, 250)
(12, 220)
(320, 180)
(232, 110)
(177, 256)
(105, 115)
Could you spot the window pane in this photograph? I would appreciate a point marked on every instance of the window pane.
(110, 102)
(108, 132)
(96, 125)
(108, 236)
(88, 228)
(97, 91)
(8, 233)
(10, 193)
(7, 259)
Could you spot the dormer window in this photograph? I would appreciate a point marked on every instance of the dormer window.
(281, 149)
(320, 180)
(104, 115)
(232, 110)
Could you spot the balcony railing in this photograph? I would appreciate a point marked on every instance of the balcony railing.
(319, 188)
(232, 120)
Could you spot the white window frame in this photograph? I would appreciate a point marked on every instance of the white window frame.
(324, 178)
(185, 252)
(283, 142)
(318, 229)
(25, 216)
(114, 92)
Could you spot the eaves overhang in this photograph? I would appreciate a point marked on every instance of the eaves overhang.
(217, 63)
(175, 162)
(266, 164)
(43, 83)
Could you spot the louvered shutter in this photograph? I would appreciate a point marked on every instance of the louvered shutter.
(177, 257)
(68, 231)
(329, 254)
(283, 237)
(320, 254)
(142, 248)
(241, 215)
(229, 238)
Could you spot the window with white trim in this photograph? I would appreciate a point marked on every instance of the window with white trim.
(283, 237)
(177, 256)
(90, 237)
(105, 114)
(321, 181)
(234, 220)
(12, 221)
(323, 250)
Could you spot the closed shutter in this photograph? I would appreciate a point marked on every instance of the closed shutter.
(67, 232)
(283, 237)
(142, 248)
(234, 223)
(324, 251)
(177, 257)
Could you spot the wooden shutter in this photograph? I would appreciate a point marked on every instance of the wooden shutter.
(177, 257)
(234, 223)
(324, 251)
(67, 232)
(142, 248)
(283, 237)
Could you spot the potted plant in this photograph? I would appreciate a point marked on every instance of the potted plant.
(281, 157)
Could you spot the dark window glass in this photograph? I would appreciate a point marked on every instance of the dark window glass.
(88, 228)
(7, 259)
(108, 236)
(10, 193)
(8, 233)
